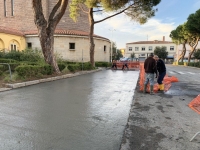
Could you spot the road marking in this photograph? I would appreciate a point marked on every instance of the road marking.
(172, 72)
(181, 72)
(191, 73)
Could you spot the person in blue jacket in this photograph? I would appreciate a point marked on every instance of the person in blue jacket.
(161, 71)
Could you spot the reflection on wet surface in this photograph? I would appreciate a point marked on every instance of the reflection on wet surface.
(81, 113)
(179, 89)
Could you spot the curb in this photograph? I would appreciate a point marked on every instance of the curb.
(33, 82)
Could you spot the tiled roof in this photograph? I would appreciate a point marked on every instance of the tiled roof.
(65, 32)
(35, 32)
(151, 42)
(11, 31)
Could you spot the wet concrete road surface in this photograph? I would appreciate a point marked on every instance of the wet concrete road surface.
(87, 112)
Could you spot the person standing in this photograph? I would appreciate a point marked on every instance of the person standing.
(161, 71)
(125, 64)
(114, 65)
(150, 69)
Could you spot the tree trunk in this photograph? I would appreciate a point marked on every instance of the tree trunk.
(193, 47)
(183, 52)
(47, 45)
(46, 29)
(91, 38)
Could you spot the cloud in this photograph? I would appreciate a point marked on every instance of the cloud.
(130, 31)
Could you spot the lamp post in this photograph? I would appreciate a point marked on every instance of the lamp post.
(111, 43)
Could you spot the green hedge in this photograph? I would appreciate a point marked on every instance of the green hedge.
(80, 66)
(26, 71)
(180, 63)
(61, 66)
(3, 60)
(194, 64)
(74, 67)
(103, 64)
(25, 55)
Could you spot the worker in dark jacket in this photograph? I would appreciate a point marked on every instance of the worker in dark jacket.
(161, 70)
(150, 69)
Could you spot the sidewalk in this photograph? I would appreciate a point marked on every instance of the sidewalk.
(28, 83)
(161, 122)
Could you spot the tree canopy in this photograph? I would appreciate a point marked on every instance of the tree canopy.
(180, 36)
(193, 28)
(197, 54)
(138, 10)
(161, 52)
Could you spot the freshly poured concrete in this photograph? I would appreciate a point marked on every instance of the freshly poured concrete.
(87, 112)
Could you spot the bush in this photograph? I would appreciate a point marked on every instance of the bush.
(27, 71)
(194, 64)
(61, 66)
(3, 60)
(86, 66)
(25, 55)
(74, 67)
(47, 69)
(180, 63)
(103, 64)
(191, 64)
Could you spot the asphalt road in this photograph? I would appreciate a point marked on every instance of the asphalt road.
(164, 121)
(87, 112)
(189, 83)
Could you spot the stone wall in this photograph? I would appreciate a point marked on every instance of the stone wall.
(61, 47)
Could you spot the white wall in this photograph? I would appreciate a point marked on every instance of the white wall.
(147, 51)
(61, 47)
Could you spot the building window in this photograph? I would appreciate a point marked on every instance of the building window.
(29, 45)
(150, 48)
(142, 55)
(136, 48)
(130, 49)
(171, 48)
(13, 47)
(104, 48)
(12, 7)
(72, 46)
(143, 48)
(5, 8)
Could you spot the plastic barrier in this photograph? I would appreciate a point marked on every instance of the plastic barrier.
(195, 104)
(131, 64)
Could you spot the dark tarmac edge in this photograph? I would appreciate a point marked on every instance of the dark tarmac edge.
(160, 122)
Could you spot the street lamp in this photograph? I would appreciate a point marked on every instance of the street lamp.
(111, 43)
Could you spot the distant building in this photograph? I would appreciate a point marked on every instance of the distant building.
(18, 32)
(142, 49)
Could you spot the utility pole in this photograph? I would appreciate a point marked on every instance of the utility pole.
(111, 43)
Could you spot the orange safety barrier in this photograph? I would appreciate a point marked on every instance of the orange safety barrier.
(131, 64)
(166, 81)
(195, 104)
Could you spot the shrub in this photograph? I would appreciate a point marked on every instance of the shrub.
(180, 63)
(47, 69)
(25, 55)
(3, 60)
(26, 71)
(73, 67)
(61, 66)
(102, 64)
(191, 64)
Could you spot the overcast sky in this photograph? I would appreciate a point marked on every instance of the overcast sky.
(170, 14)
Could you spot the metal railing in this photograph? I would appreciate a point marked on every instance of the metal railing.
(9, 69)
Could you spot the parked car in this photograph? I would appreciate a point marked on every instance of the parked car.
(125, 59)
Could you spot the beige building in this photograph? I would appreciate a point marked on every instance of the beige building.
(18, 31)
(142, 49)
